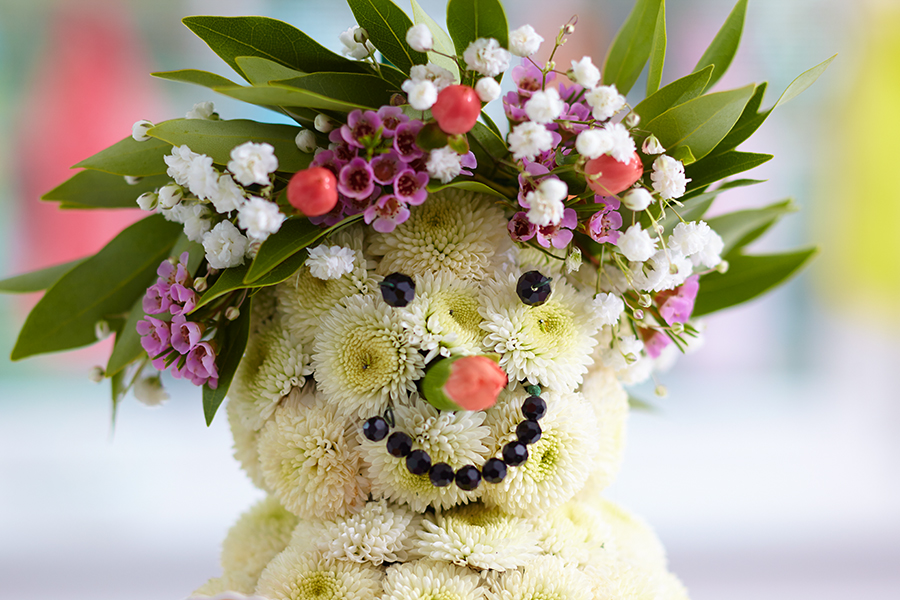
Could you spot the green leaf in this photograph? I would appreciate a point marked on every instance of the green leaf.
(37, 281)
(468, 20)
(231, 351)
(96, 189)
(217, 138)
(387, 24)
(103, 286)
(351, 88)
(294, 236)
(232, 280)
(231, 37)
(204, 78)
(488, 146)
(657, 51)
(715, 168)
(464, 183)
(682, 153)
(724, 46)
(118, 387)
(130, 157)
(631, 47)
(747, 278)
(490, 124)
(442, 41)
(701, 123)
(261, 71)
(677, 92)
(739, 228)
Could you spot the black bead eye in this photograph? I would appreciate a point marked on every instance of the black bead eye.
(398, 289)
(533, 288)
(528, 432)
(375, 429)
(494, 470)
(418, 462)
(468, 478)
(399, 444)
(441, 474)
(534, 408)
(515, 453)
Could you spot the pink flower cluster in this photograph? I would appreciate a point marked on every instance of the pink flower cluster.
(380, 169)
(675, 306)
(177, 343)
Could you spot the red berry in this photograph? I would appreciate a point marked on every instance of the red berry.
(457, 108)
(313, 191)
(613, 176)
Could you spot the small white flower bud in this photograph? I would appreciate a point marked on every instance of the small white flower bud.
(573, 261)
(101, 329)
(722, 267)
(200, 284)
(637, 199)
(633, 119)
(232, 313)
(677, 328)
(148, 200)
(132, 180)
(323, 124)
(661, 391)
(645, 300)
(139, 130)
(487, 89)
(639, 315)
(96, 374)
(631, 358)
(419, 38)
(652, 146)
(306, 141)
(570, 28)
(170, 195)
(360, 35)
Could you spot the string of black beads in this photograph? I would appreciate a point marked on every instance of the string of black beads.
(469, 477)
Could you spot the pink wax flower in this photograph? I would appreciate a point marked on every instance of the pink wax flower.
(529, 79)
(676, 306)
(184, 334)
(386, 167)
(328, 159)
(183, 299)
(386, 214)
(342, 150)
(405, 141)
(604, 224)
(520, 228)
(201, 363)
(391, 118)
(468, 161)
(654, 342)
(354, 206)
(529, 184)
(155, 335)
(156, 299)
(513, 108)
(409, 187)
(560, 235)
(363, 129)
(356, 179)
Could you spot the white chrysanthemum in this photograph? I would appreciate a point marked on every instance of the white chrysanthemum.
(252, 163)
(298, 575)
(635, 541)
(179, 163)
(622, 143)
(456, 231)
(245, 445)
(214, 587)
(528, 139)
(544, 106)
(201, 110)
(486, 56)
(543, 578)
(363, 358)
(444, 164)
(524, 41)
(668, 177)
(354, 48)
(671, 588)
(310, 460)
(549, 344)
(230, 195)
(605, 100)
(304, 299)
(584, 73)
(574, 532)
(431, 580)
(443, 318)
(487, 89)
(419, 38)
(478, 537)
(225, 246)
(379, 533)
(615, 578)
(610, 401)
(636, 244)
(456, 438)
(439, 76)
(330, 262)
(420, 93)
(259, 218)
(259, 534)
(546, 202)
(558, 464)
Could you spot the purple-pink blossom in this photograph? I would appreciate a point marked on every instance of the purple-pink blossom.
(386, 214)
(676, 306)
(405, 141)
(363, 129)
(604, 224)
(559, 235)
(184, 334)
(386, 167)
(520, 228)
(200, 365)
(391, 118)
(356, 179)
(156, 299)
(535, 172)
(155, 335)
(529, 79)
(328, 159)
(183, 299)
(409, 187)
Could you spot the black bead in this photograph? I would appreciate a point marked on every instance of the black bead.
(398, 289)
(399, 444)
(515, 453)
(533, 288)
(528, 432)
(494, 470)
(441, 474)
(534, 408)
(375, 429)
(418, 462)
(468, 478)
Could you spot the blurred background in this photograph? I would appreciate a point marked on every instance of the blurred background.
(769, 471)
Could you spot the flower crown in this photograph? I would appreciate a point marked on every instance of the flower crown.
(394, 196)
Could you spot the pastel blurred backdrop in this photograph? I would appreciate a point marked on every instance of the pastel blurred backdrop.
(770, 470)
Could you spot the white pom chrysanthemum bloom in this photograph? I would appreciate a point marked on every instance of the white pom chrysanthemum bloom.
(330, 262)
(558, 464)
(610, 401)
(544, 106)
(528, 139)
(419, 38)
(668, 177)
(486, 56)
(259, 534)
(543, 578)
(363, 358)
(304, 298)
(225, 246)
(431, 580)
(439, 76)
(443, 318)
(259, 218)
(634, 540)
(420, 93)
(310, 460)
(298, 575)
(444, 164)
(584, 73)
(546, 202)
(605, 100)
(574, 532)
(615, 578)
(201, 110)
(252, 163)
(477, 537)
(524, 41)
(549, 344)
(455, 231)
(245, 449)
(456, 438)
(380, 533)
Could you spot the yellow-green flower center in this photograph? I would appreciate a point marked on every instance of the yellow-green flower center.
(320, 585)
(551, 325)
(457, 312)
(543, 458)
(369, 360)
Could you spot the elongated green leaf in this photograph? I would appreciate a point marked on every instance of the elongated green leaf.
(37, 281)
(103, 286)
(129, 157)
(724, 46)
(442, 41)
(657, 51)
(289, 98)
(352, 88)
(701, 123)
(486, 144)
(118, 387)
(677, 92)
(204, 78)
(466, 184)
(230, 37)
(716, 168)
(232, 280)
(217, 138)
(631, 47)
(233, 344)
(96, 189)
(747, 278)
(261, 71)
(468, 20)
(739, 228)
(294, 236)
(387, 24)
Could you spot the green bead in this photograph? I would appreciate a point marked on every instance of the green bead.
(533, 390)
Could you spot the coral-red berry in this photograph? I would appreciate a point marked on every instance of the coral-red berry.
(607, 176)
(313, 191)
(456, 110)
